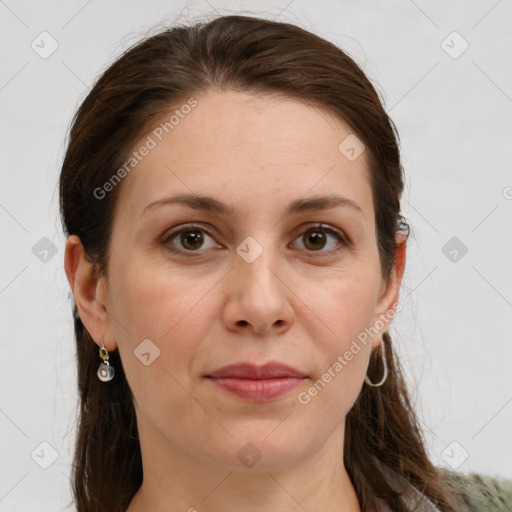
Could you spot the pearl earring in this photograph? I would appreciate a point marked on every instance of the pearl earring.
(105, 371)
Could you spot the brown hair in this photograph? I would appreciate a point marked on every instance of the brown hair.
(248, 55)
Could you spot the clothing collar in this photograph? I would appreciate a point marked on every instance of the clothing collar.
(413, 498)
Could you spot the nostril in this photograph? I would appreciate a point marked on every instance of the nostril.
(242, 322)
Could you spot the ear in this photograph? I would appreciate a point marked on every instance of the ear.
(390, 290)
(90, 292)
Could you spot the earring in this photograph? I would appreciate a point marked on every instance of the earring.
(105, 371)
(385, 368)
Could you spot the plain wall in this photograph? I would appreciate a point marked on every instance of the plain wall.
(454, 116)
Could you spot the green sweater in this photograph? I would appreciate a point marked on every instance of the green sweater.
(477, 493)
(482, 493)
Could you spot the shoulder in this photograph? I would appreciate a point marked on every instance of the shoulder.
(477, 493)
(413, 498)
(480, 492)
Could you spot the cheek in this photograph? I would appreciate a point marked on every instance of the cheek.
(343, 313)
(344, 307)
(153, 299)
(175, 312)
(173, 309)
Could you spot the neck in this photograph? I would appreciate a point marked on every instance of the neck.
(176, 480)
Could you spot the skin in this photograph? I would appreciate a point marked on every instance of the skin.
(292, 304)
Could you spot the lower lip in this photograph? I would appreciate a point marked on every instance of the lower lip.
(261, 390)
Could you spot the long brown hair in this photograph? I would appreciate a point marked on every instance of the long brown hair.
(248, 55)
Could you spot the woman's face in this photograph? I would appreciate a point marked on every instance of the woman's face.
(252, 281)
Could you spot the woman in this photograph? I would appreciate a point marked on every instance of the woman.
(231, 195)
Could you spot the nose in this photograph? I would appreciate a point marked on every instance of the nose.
(258, 298)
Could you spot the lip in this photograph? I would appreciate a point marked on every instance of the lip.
(257, 383)
(271, 370)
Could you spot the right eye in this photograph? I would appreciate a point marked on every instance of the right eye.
(190, 237)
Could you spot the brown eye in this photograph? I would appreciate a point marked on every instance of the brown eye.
(315, 240)
(191, 240)
(323, 239)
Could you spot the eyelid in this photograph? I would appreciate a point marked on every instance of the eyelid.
(186, 227)
(329, 228)
(343, 239)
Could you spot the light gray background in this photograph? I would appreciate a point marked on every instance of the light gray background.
(454, 117)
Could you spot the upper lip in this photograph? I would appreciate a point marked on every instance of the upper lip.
(248, 370)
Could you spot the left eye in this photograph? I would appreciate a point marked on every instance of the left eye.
(317, 235)
(314, 239)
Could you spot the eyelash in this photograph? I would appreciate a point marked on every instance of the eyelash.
(342, 239)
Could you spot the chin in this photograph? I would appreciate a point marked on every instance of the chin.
(259, 453)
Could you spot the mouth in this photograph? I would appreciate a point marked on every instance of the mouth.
(257, 383)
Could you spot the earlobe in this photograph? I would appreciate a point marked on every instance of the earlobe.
(86, 285)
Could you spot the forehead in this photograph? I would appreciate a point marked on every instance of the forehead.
(259, 147)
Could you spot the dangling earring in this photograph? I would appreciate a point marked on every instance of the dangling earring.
(385, 368)
(105, 371)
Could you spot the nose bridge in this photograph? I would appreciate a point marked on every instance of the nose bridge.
(256, 264)
(258, 295)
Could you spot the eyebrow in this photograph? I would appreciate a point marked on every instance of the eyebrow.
(200, 202)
